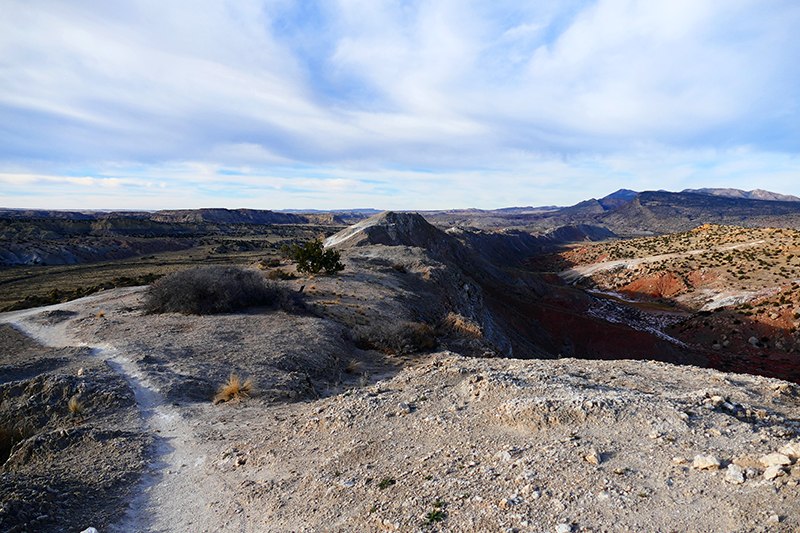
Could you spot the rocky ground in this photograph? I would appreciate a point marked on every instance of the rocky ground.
(367, 415)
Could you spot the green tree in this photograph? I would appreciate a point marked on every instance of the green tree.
(313, 258)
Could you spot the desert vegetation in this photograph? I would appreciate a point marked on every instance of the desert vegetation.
(313, 258)
(235, 390)
(217, 289)
(396, 337)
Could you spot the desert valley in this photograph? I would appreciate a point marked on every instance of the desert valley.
(624, 364)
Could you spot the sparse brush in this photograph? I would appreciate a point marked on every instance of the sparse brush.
(353, 366)
(235, 389)
(397, 338)
(467, 327)
(218, 289)
(75, 406)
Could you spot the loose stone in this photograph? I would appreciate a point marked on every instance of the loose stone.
(774, 471)
(734, 474)
(792, 451)
(593, 457)
(705, 462)
(773, 459)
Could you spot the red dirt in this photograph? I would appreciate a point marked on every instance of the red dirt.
(663, 285)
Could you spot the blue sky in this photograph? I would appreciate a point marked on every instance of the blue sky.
(273, 104)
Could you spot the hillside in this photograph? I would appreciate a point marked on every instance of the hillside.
(734, 292)
(368, 416)
(627, 213)
(658, 213)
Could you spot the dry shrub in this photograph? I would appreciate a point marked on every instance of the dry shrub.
(279, 273)
(398, 338)
(353, 366)
(459, 324)
(217, 289)
(75, 406)
(269, 263)
(235, 389)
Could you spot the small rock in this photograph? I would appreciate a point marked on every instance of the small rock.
(705, 462)
(503, 456)
(563, 528)
(594, 457)
(774, 519)
(734, 474)
(792, 451)
(505, 503)
(753, 341)
(774, 471)
(388, 525)
(89, 530)
(403, 409)
(678, 460)
(773, 459)
(604, 495)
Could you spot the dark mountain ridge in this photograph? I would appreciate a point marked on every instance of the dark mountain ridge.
(656, 212)
(180, 216)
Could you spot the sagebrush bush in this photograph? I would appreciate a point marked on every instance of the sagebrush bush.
(217, 289)
(393, 337)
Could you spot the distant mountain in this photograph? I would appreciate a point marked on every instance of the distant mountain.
(606, 203)
(757, 194)
(656, 212)
(616, 199)
(176, 216)
(229, 216)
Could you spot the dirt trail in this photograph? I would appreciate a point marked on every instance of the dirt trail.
(176, 492)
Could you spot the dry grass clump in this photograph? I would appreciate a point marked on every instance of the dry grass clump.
(217, 289)
(456, 323)
(354, 366)
(75, 406)
(235, 389)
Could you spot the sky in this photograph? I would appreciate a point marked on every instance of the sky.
(438, 104)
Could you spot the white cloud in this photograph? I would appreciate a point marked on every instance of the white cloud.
(405, 101)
